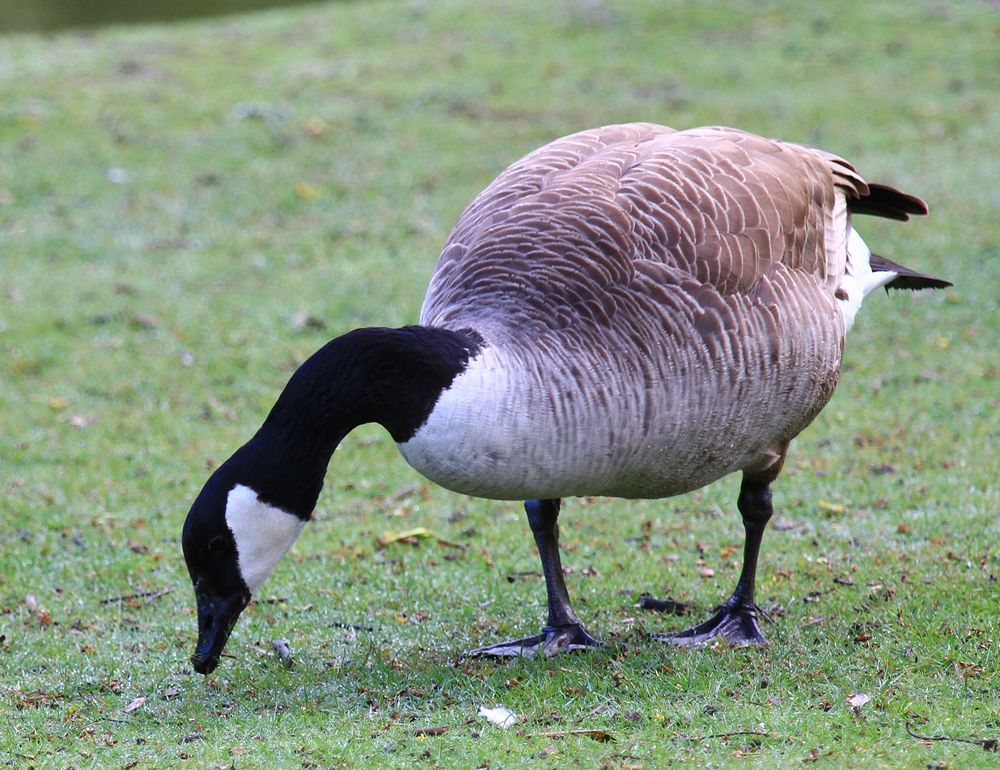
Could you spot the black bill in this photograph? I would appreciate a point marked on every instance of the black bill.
(216, 617)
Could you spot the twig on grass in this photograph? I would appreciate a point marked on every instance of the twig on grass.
(351, 626)
(666, 606)
(524, 575)
(724, 735)
(404, 491)
(990, 744)
(814, 596)
(147, 595)
(597, 734)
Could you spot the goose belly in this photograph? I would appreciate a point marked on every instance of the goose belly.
(510, 430)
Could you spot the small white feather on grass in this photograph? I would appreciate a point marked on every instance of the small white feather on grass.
(501, 716)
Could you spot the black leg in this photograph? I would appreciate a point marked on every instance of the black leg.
(543, 518)
(736, 620)
(564, 630)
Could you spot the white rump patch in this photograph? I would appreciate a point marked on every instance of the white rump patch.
(859, 280)
(263, 533)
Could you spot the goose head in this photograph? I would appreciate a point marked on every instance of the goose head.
(232, 540)
(213, 562)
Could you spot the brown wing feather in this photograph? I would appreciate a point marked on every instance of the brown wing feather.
(566, 224)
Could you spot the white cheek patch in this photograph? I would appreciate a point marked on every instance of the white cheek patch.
(263, 533)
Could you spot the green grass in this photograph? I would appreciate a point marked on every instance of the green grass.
(186, 212)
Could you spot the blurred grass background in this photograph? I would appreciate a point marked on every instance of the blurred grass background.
(188, 210)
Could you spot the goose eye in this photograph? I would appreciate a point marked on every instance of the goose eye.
(217, 545)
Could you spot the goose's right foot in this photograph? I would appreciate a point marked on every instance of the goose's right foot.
(564, 632)
(734, 622)
(551, 641)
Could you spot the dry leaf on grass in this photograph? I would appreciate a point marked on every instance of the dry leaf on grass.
(315, 126)
(305, 320)
(412, 535)
(857, 700)
(424, 731)
(307, 191)
(135, 703)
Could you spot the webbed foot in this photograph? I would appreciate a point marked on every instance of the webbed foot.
(735, 623)
(551, 641)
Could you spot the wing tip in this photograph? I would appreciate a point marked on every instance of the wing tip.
(915, 283)
(906, 278)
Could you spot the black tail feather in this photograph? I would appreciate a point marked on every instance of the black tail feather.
(885, 201)
(888, 202)
(907, 278)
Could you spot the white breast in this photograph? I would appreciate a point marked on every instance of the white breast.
(516, 427)
(476, 439)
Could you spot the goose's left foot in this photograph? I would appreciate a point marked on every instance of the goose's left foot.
(734, 622)
(551, 641)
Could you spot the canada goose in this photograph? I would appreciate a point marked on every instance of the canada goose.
(628, 311)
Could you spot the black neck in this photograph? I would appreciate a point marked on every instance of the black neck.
(388, 376)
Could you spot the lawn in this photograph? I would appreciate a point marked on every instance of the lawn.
(188, 211)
